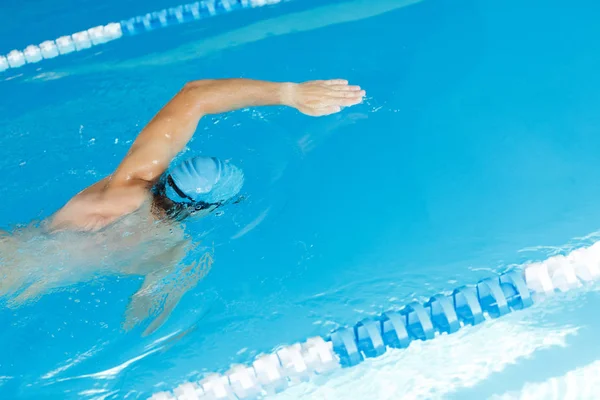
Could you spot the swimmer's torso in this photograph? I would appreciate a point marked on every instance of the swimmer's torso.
(135, 244)
(131, 239)
(35, 261)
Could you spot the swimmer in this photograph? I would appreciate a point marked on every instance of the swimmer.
(127, 214)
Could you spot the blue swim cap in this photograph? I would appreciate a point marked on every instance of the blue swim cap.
(203, 180)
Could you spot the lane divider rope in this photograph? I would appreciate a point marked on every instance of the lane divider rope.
(115, 30)
(446, 313)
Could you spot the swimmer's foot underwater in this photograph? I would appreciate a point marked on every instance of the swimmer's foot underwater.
(129, 222)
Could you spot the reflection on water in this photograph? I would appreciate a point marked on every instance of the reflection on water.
(34, 263)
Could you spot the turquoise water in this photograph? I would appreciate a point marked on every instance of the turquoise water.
(477, 144)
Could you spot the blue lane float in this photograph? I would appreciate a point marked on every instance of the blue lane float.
(444, 313)
(440, 314)
(101, 34)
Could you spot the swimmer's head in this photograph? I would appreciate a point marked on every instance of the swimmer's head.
(196, 186)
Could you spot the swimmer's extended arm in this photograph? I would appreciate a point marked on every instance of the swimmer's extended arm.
(172, 128)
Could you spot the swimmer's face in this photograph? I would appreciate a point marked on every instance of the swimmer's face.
(165, 208)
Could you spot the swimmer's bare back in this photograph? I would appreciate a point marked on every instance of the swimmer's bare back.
(129, 186)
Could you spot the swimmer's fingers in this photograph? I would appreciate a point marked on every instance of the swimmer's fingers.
(344, 88)
(162, 317)
(321, 112)
(333, 82)
(347, 94)
(345, 91)
(345, 101)
(336, 100)
(329, 106)
(138, 310)
(328, 101)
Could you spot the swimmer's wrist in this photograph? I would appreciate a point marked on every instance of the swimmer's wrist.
(286, 94)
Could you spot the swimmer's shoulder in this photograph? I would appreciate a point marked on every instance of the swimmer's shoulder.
(95, 208)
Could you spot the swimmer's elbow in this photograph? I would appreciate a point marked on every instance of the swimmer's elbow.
(198, 95)
(193, 86)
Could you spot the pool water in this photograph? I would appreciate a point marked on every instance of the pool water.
(475, 150)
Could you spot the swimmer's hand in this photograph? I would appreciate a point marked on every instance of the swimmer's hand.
(318, 98)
